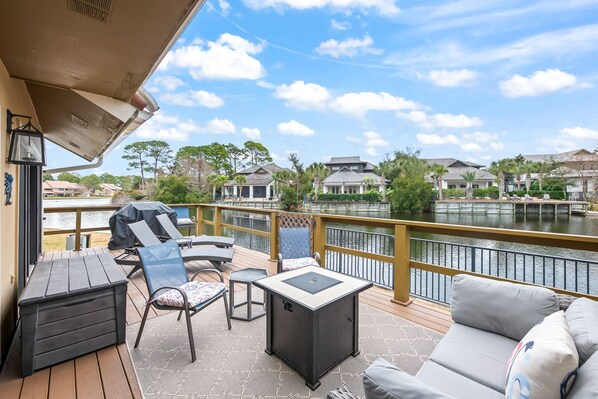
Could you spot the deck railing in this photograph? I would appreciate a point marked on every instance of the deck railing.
(408, 265)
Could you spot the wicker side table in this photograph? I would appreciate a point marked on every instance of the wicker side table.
(247, 277)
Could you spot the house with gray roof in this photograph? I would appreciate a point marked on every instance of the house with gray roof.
(351, 175)
(259, 185)
(456, 168)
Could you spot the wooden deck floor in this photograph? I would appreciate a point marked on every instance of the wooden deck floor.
(109, 373)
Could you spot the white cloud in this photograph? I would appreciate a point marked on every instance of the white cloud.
(454, 78)
(382, 7)
(303, 95)
(219, 126)
(252, 133)
(559, 43)
(224, 6)
(169, 82)
(228, 58)
(580, 133)
(434, 139)
(193, 98)
(472, 147)
(539, 83)
(481, 137)
(358, 104)
(340, 25)
(371, 142)
(295, 128)
(451, 121)
(348, 48)
(265, 85)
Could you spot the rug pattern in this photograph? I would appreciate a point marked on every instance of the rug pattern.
(233, 363)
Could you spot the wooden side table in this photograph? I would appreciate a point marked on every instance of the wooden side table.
(71, 307)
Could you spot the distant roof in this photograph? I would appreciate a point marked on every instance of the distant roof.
(348, 176)
(341, 160)
(475, 165)
(447, 162)
(271, 167)
(455, 174)
(55, 184)
(579, 154)
(108, 186)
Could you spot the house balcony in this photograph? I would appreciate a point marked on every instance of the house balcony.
(402, 317)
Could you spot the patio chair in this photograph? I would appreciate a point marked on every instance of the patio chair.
(147, 238)
(295, 249)
(183, 218)
(170, 288)
(189, 241)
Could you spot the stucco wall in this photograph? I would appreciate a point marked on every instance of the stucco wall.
(13, 96)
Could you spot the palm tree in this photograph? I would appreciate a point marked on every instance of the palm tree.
(518, 172)
(240, 180)
(368, 182)
(541, 168)
(499, 169)
(217, 181)
(318, 172)
(528, 167)
(469, 178)
(437, 172)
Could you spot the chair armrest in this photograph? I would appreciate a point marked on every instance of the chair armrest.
(382, 380)
(209, 270)
(279, 263)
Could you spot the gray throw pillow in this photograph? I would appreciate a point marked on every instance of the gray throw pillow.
(582, 317)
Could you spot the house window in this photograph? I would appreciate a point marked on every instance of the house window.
(476, 186)
(463, 186)
(452, 186)
(351, 190)
(354, 167)
(335, 167)
(335, 190)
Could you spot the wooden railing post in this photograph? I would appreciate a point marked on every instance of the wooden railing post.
(199, 220)
(78, 230)
(401, 265)
(320, 239)
(217, 221)
(274, 237)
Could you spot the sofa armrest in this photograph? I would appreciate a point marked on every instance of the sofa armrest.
(382, 380)
(500, 307)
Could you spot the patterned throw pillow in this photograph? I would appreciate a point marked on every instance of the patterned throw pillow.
(544, 364)
(197, 292)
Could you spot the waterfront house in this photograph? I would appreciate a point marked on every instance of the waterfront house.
(58, 188)
(351, 175)
(579, 167)
(259, 184)
(456, 168)
(108, 190)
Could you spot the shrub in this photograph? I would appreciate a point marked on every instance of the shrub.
(480, 193)
(370, 196)
(453, 193)
(492, 192)
(411, 195)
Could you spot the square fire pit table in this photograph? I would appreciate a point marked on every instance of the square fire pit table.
(312, 332)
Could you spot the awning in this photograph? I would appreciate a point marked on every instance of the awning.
(84, 62)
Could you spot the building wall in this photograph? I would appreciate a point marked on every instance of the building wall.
(13, 96)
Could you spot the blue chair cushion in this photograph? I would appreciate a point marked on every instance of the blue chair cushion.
(295, 243)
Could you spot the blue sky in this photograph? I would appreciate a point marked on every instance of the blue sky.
(473, 80)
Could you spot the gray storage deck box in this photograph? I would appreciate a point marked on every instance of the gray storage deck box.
(71, 307)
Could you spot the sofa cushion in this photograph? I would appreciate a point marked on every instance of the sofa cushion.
(383, 380)
(475, 303)
(544, 363)
(455, 384)
(582, 317)
(475, 354)
(586, 382)
(297, 263)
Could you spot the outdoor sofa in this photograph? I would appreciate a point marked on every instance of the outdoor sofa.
(471, 361)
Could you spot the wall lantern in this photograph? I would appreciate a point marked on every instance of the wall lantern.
(27, 145)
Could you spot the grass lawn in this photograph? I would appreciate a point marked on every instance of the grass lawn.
(58, 242)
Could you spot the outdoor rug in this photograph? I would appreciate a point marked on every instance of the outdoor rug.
(233, 363)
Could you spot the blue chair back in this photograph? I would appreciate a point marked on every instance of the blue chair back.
(163, 266)
(294, 242)
(182, 212)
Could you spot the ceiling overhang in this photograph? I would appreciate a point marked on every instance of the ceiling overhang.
(88, 59)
